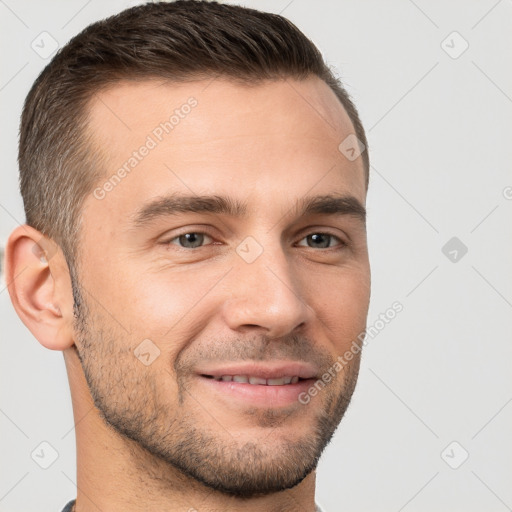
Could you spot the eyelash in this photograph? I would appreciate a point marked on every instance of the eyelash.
(342, 243)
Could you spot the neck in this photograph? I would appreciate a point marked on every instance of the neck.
(115, 473)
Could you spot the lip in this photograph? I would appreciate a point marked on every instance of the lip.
(258, 395)
(269, 370)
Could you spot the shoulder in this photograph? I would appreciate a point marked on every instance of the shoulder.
(69, 506)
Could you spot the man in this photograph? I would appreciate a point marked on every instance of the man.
(194, 181)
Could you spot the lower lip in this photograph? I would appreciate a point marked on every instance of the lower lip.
(259, 395)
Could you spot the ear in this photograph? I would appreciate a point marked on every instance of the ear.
(39, 285)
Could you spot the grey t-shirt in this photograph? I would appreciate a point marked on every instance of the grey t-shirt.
(69, 507)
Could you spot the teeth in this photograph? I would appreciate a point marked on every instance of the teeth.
(275, 382)
(246, 379)
(257, 380)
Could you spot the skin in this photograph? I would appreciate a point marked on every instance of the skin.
(267, 145)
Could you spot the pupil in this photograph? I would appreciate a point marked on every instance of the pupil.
(317, 238)
(193, 239)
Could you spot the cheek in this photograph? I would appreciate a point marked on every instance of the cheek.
(342, 306)
(167, 307)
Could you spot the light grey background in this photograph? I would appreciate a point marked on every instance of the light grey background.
(440, 132)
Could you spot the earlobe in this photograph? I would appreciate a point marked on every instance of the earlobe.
(39, 285)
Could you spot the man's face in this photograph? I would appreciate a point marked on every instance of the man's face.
(199, 330)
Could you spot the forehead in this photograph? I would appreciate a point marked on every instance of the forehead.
(218, 136)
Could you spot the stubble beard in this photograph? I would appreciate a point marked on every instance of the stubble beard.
(130, 401)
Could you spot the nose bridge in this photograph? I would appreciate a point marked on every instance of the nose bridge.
(264, 290)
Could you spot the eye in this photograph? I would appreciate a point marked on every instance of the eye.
(190, 240)
(322, 240)
(196, 239)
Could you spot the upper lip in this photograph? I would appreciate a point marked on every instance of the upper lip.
(267, 370)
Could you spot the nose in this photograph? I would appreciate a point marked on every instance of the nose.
(266, 294)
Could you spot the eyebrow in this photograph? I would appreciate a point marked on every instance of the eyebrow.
(336, 205)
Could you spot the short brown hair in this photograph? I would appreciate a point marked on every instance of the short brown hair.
(179, 41)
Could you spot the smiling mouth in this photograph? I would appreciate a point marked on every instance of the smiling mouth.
(269, 384)
(257, 381)
(240, 391)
